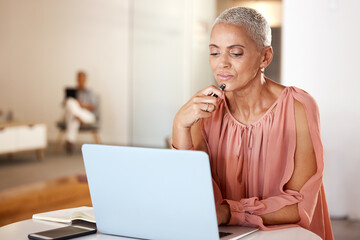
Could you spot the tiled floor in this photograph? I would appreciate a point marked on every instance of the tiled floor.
(25, 168)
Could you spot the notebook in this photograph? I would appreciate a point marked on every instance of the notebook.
(152, 193)
(67, 215)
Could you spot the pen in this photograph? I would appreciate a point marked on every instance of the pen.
(222, 87)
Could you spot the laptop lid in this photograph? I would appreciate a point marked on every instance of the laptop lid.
(70, 92)
(151, 193)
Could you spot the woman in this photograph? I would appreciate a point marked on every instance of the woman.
(263, 139)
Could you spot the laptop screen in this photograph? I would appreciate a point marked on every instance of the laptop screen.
(70, 93)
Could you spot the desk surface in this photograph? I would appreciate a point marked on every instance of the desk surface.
(20, 230)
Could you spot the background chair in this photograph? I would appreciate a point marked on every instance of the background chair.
(92, 128)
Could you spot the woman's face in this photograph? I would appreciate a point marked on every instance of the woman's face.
(234, 57)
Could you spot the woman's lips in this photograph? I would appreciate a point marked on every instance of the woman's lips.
(224, 76)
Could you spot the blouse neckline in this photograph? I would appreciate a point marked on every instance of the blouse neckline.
(262, 117)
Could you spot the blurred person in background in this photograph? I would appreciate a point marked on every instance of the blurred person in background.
(262, 138)
(79, 111)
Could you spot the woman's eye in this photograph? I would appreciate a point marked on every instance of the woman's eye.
(236, 54)
(214, 54)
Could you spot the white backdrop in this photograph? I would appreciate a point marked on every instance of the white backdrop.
(170, 63)
(321, 55)
(143, 58)
(44, 43)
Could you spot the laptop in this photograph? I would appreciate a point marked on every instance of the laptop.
(152, 193)
(70, 93)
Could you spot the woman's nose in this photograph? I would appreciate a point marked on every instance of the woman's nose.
(224, 62)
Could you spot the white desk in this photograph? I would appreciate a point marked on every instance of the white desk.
(20, 231)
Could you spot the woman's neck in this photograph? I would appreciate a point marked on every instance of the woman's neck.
(250, 102)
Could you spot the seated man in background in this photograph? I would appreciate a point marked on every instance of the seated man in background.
(79, 111)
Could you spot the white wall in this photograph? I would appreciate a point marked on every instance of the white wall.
(44, 43)
(170, 63)
(321, 55)
(144, 59)
(203, 17)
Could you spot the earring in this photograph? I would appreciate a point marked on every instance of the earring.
(262, 70)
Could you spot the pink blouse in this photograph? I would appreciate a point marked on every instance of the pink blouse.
(251, 163)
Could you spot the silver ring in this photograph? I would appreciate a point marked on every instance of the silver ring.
(207, 107)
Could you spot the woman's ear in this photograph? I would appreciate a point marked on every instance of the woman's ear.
(267, 56)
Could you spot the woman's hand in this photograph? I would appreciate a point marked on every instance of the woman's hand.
(201, 105)
(223, 214)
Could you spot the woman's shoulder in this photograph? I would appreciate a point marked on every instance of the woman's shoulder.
(303, 101)
(302, 97)
(300, 94)
(305, 107)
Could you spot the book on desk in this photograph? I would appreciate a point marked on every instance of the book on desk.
(68, 216)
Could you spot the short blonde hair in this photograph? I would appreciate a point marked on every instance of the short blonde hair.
(255, 24)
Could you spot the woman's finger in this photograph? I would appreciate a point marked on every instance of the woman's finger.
(208, 107)
(205, 104)
(205, 99)
(203, 110)
(210, 91)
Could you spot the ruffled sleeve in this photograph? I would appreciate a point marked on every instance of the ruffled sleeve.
(312, 189)
(247, 211)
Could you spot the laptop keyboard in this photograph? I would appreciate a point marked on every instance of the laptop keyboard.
(224, 234)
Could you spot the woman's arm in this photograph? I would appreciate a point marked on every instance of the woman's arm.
(186, 133)
(181, 137)
(304, 168)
